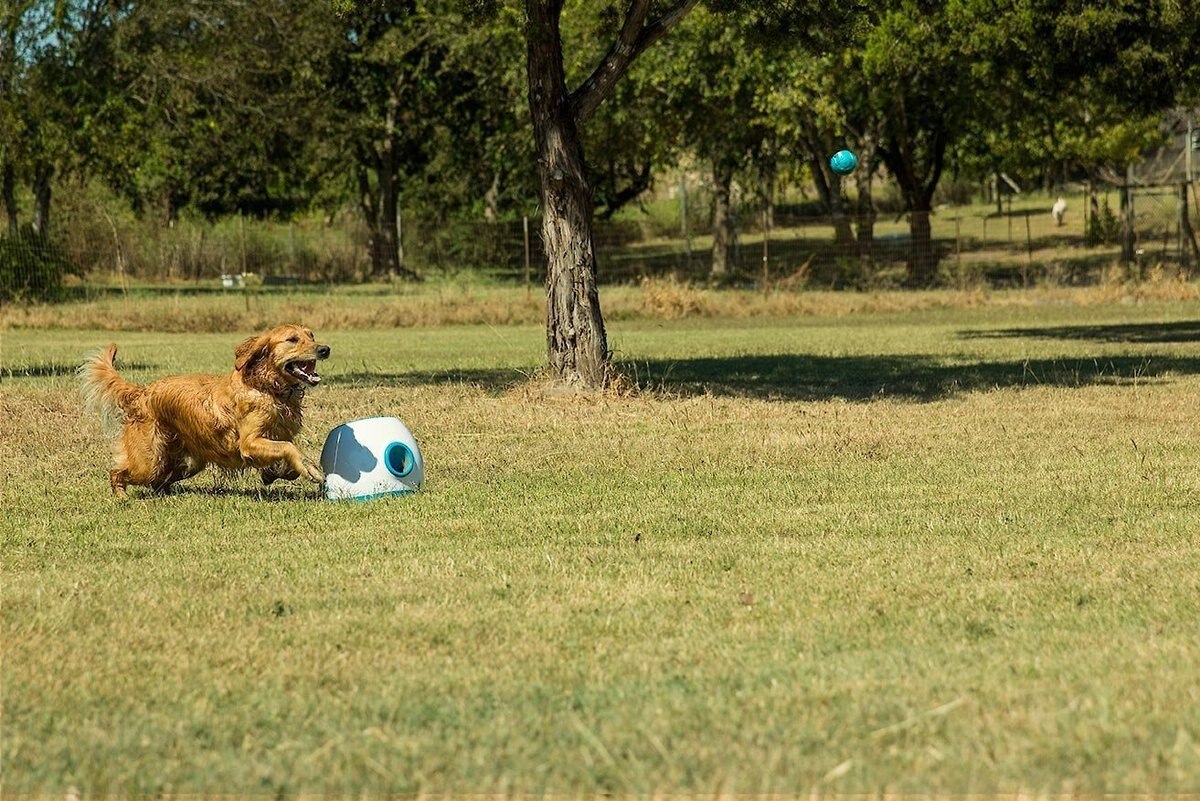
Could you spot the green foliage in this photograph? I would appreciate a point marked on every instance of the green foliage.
(274, 110)
(32, 268)
(1103, 227)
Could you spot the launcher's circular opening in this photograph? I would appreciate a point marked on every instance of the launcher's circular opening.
(399, 460)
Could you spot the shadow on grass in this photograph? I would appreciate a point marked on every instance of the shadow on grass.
(915, 378)
(54, 370)
(490, 380)
(1184, 331)
(802, 377)
(276, 493)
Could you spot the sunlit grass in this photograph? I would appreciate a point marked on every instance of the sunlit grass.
(932, 550)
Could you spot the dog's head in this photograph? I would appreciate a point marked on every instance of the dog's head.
(284, 358)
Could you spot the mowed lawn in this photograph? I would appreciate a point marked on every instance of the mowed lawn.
(946, 551)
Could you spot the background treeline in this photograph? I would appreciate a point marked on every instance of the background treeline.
(418, 110)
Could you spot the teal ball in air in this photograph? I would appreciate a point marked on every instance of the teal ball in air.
(843, 162)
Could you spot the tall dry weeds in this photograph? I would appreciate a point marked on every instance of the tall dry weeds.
(653, 299)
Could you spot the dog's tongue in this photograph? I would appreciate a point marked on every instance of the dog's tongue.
(308, 371)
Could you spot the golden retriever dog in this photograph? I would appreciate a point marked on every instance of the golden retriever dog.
(174, 427)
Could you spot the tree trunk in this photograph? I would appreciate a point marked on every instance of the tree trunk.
(1128, 231)
(722, 218)
(1093, 199)
(491, 199)
(918, 179)
(42, 174)
(380, 208)
(386, 261)
(366, 202)
(8, 196)
(922, 266)
(842, 233)
(767, 189)
(865, 214)
(576, 340)
(389, 233)
(829, 187)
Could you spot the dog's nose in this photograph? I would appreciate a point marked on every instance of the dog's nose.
(322, 351)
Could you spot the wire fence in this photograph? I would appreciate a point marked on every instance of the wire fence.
(1068, 241)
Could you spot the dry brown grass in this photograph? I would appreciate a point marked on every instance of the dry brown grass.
(874, 556)
(653, 299)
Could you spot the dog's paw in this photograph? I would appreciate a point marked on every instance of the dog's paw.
(314, 473)
(281, 471)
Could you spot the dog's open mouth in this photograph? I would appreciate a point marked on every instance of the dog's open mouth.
(305, 371)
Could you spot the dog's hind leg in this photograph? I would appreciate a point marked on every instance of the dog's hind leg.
(141, 458)
(183, 465)
(119, 480)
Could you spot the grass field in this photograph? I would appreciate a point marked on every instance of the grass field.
(933, 549)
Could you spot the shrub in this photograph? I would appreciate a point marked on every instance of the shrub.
(32, 268)
(1104, 227)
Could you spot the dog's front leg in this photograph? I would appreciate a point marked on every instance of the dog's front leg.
(263, 453)
(278, 471)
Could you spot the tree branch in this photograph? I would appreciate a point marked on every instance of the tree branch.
(634, 38)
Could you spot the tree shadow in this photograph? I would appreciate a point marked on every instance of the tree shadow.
(495, 380)
(804, 377)
(55, 369)
(801, 377)
(1182, 331)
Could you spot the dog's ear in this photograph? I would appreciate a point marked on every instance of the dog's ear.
(250, 351)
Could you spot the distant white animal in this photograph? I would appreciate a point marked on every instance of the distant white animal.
(1059, 210)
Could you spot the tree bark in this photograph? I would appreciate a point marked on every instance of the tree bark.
(491, 199)
(576, 340)
(8, 196)
(722, 218)
(922, 266)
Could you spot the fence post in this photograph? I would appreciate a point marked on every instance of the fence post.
(1187, 150)
(292, 244)
(958, 252)
(1187, 234)
(525, 225)
(1028, 250)
(1010, 218)
(242, 238)
(766, 226)
(400, 240)
(683, 217)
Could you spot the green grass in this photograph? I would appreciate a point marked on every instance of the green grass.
(937, 551)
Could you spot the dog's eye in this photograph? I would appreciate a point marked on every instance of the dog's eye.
(293, 339)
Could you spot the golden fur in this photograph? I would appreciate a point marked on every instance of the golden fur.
(174, 427)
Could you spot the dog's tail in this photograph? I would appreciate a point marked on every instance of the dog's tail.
(105, 392)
